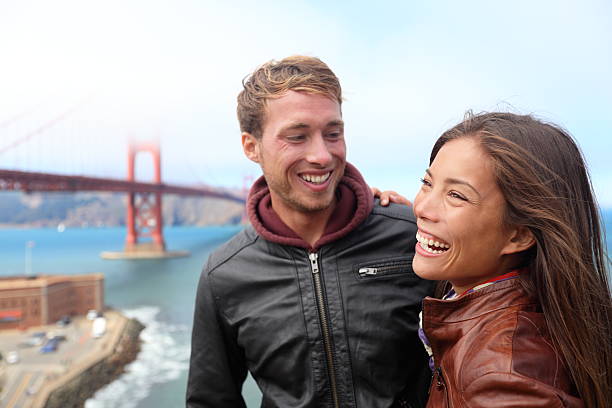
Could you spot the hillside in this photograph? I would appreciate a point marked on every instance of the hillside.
(107, 209)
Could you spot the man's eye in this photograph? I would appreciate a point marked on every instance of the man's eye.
(296, 138)
(334, 135)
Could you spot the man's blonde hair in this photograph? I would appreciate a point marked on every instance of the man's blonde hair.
(274, 78)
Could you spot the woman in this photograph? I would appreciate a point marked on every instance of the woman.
(507, 218)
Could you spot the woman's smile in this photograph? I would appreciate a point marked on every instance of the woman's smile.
(429, 245)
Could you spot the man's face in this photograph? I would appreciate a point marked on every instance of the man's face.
(301, 151)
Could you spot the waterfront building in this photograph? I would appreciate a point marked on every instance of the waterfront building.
(27, 301)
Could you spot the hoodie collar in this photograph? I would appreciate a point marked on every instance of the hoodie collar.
(354, 203)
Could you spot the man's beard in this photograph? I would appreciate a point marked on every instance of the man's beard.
(284, 191)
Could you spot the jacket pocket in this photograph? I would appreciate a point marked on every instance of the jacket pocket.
(385, 268)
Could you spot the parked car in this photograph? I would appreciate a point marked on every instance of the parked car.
(92, 314)
(64, 321)
(50, 346)
(59, 337)
(12, 357)
(98, 328)
(34, 339)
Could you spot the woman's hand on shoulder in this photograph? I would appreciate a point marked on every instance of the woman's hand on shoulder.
(388, 196)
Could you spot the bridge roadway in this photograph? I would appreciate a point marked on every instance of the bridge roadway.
(28, 383)
(32, 181)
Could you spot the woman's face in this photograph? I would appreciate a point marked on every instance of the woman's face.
(459, 212)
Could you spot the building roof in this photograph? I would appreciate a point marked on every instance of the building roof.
(37, 281)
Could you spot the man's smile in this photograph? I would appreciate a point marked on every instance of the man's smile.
(315, 178)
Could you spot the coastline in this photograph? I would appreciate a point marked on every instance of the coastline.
(79, 376)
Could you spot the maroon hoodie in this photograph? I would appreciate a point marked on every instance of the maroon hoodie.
(353, 205)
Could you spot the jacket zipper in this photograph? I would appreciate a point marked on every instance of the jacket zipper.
(331, 369)
(381, 270)
(441, 385)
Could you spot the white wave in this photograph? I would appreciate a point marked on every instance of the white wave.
(161, 359)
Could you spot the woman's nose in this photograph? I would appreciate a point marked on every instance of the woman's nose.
(426, 206)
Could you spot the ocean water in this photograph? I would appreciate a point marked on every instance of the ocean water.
(160, 293)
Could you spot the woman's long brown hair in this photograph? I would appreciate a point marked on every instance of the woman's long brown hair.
(547, 188)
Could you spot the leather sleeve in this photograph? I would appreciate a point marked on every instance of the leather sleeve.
(506, 390)
(217, 367)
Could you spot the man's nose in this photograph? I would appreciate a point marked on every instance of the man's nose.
(318, 151)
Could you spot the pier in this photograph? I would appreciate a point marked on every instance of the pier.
(80, 365)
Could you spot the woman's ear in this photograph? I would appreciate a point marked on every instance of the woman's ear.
(521, 239)
(250, 146)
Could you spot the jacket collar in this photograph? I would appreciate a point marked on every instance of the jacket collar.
(472, 305)
(445, 322)
(354, 204)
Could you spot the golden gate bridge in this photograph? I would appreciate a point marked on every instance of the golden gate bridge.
(144, 238)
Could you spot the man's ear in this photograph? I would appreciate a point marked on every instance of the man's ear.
(521, 239)
(250, 146)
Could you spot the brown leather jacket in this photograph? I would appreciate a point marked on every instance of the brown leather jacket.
(491, 350)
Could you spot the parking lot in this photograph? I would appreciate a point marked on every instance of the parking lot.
(24, 379)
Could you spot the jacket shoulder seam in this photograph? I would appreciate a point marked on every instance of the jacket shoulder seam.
(227, 257)
(553, 390)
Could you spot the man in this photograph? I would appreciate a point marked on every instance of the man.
(317, 299)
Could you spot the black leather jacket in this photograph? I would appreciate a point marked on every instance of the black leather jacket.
(337, 328)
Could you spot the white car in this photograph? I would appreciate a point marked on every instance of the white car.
(98, 328)
(12, 357)
(92, 314)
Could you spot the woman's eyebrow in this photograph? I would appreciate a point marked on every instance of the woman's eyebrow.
(452, 180)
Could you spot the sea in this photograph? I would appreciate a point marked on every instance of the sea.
(159, 293)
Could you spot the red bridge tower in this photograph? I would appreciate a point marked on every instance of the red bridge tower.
(144, 210)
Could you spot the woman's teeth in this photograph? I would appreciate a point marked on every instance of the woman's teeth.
(314, 179)
(430, 244)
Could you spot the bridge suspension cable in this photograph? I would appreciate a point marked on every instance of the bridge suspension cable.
(42, 128)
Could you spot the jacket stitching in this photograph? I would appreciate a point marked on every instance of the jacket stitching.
(432, 320)
(212, 285)
(515, 315)
(344, 331)
(479, 293)
(549, 345)
(552, 390)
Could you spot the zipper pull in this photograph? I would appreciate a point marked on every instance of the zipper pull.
(439, 378)
(314, 263)
(368, 271)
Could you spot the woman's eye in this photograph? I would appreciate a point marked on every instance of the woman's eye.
(454, 194)
(425, 182)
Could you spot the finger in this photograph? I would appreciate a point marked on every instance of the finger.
(399, 199)
(402, 200)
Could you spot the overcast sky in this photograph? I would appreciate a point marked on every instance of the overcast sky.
(409, 71)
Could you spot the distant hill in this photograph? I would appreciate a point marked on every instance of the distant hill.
(107, 209)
